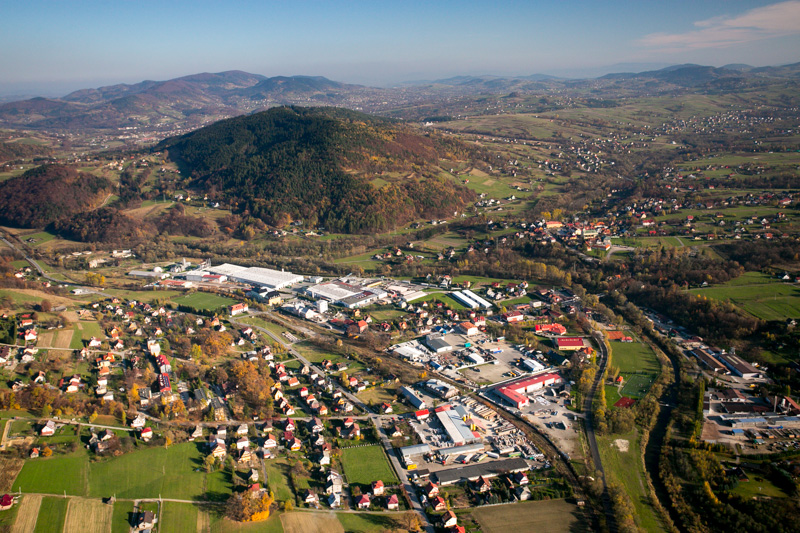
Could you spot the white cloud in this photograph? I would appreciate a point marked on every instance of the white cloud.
(776, 20)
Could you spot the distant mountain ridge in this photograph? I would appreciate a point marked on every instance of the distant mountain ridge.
(191, 101)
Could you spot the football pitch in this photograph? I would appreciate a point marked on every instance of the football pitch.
(637, 385)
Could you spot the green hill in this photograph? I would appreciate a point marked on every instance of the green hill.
(316, 164)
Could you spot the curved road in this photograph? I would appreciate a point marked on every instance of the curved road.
(590, 436)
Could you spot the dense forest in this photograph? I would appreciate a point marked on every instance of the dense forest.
(105, 225)
(47, 193)
(316, 164)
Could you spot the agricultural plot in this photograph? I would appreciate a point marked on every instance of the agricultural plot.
(368, 522)
(554, 516)
(52, 515)
(204, 301)
(767, 301)
(27, 514)
(363, 465)
(311, 523)
(88, 516)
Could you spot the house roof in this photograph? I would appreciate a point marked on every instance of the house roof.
(570, 342)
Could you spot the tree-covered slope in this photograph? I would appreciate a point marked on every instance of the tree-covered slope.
(316, 164)
(47, 193)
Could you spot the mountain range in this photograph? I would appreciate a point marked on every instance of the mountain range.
(191, 101)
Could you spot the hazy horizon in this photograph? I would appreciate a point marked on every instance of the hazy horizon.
(53, 48)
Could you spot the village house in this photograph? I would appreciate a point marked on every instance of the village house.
(393, 503)
(449, 519)
(438, 503)
(49, 429)
(363, 502)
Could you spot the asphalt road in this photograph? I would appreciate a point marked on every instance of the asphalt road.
(590, 435)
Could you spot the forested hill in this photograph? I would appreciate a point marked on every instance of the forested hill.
(320, 165)
(47, 193)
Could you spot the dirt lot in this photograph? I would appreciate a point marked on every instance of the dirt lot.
(27, 514)
(311, 523)
(63, 339)
(553, 516)
(566, 438)
(9, 468)
(88, 516)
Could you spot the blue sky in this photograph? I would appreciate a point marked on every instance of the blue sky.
(51, 47)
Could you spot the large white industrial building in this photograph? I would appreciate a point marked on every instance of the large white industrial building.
(262, 277)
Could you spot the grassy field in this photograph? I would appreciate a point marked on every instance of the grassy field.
(83, 332)
(758, 487)
(204, 301)
(278, 479)
(756, 294)
(553, 516)
(178, 517)
(378, 395)
(151, 472)
(626, 468)
(55, 475)
(121, 516)
(367, 464)
(52, 514)
(444, 298)
(147, 473)
(260, 322)
(631, 357)
(612, 395)
(40, 238)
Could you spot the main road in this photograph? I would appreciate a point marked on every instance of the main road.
(590, 435)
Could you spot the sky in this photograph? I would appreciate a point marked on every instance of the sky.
(53, 47)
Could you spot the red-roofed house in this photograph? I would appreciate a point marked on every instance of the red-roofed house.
(6, 501)
(513, 316)
(363, 502)
(556, 329)
(238, 309)
(393, 503)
